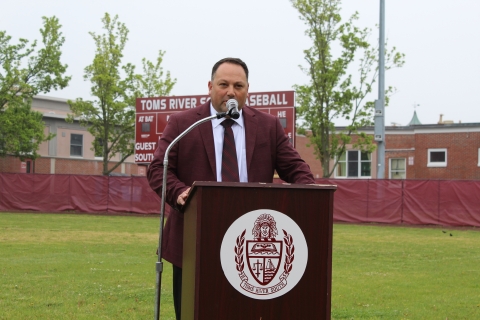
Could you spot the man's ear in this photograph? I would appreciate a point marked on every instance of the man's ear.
(210, 85)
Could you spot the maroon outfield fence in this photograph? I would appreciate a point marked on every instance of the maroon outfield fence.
(82, 193)
(418, 202)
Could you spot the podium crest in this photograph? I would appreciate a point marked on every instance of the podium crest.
(264, 253)
(263, 258)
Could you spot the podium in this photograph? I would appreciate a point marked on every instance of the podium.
(211, 210)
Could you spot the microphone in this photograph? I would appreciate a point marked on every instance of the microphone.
(232, 106)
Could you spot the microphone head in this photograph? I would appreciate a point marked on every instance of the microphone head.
(232, 106)
(232, 103)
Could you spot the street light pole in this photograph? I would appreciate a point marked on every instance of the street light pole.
(379, 131)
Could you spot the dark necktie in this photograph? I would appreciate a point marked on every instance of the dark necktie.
(229, 154)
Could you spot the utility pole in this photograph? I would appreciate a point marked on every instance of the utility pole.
(379, 131)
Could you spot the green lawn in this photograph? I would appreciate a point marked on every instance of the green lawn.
(405, 273)
(80, 267)
(62, 266)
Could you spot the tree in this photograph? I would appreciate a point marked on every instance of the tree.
(22, 132)
(24, 73)
(111, 117)
(333, 93)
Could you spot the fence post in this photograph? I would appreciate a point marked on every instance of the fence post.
(402, 202)
(368, 198)
(131, 194)
(108, 193)
(438, 203)
(70, 191)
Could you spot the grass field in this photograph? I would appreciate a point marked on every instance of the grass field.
(61, 266)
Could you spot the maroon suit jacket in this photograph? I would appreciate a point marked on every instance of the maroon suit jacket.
(193, 159)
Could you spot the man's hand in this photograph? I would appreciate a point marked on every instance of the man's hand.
(181, 198)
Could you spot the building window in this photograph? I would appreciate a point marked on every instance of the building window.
(354, 164)
(398, 168)
(76, 145)
(437, 158)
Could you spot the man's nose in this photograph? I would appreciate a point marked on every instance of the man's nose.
(230, 92)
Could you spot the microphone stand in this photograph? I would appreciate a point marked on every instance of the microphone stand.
(159, 264)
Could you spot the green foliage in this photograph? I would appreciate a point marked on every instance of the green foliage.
(22, 131)
(333, 93)
(24, 73)
(151, 84)
(110, 118)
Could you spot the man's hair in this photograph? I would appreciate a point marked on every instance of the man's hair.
(230, 60)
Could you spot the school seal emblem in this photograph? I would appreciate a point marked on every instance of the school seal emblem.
(264, 264)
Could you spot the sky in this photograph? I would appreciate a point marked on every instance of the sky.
(439, 38)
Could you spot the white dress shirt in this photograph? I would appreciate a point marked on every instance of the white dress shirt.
(238, 129)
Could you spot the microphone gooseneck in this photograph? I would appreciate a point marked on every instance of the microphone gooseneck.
(159, 263)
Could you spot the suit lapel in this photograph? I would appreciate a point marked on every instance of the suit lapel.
(206, 133)
(251, 125)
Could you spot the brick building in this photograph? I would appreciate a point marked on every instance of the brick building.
(438, 151)
(69, 152)
(445, 150)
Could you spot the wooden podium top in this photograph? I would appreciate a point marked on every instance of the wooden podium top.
(263, 185)
(197, 184)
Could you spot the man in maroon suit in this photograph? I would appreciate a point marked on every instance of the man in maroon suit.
(261, 148)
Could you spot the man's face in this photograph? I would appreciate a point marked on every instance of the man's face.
(229, 82)
(265, 230)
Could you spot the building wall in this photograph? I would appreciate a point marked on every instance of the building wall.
(43, 148)
(308, 155)
(83, 166)
(400, 146)
(412, 144)
(10, 164)
(462, 142)
(408, 155)
(67, 166)
(55, 154)
(306, 151)
(462, 155)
